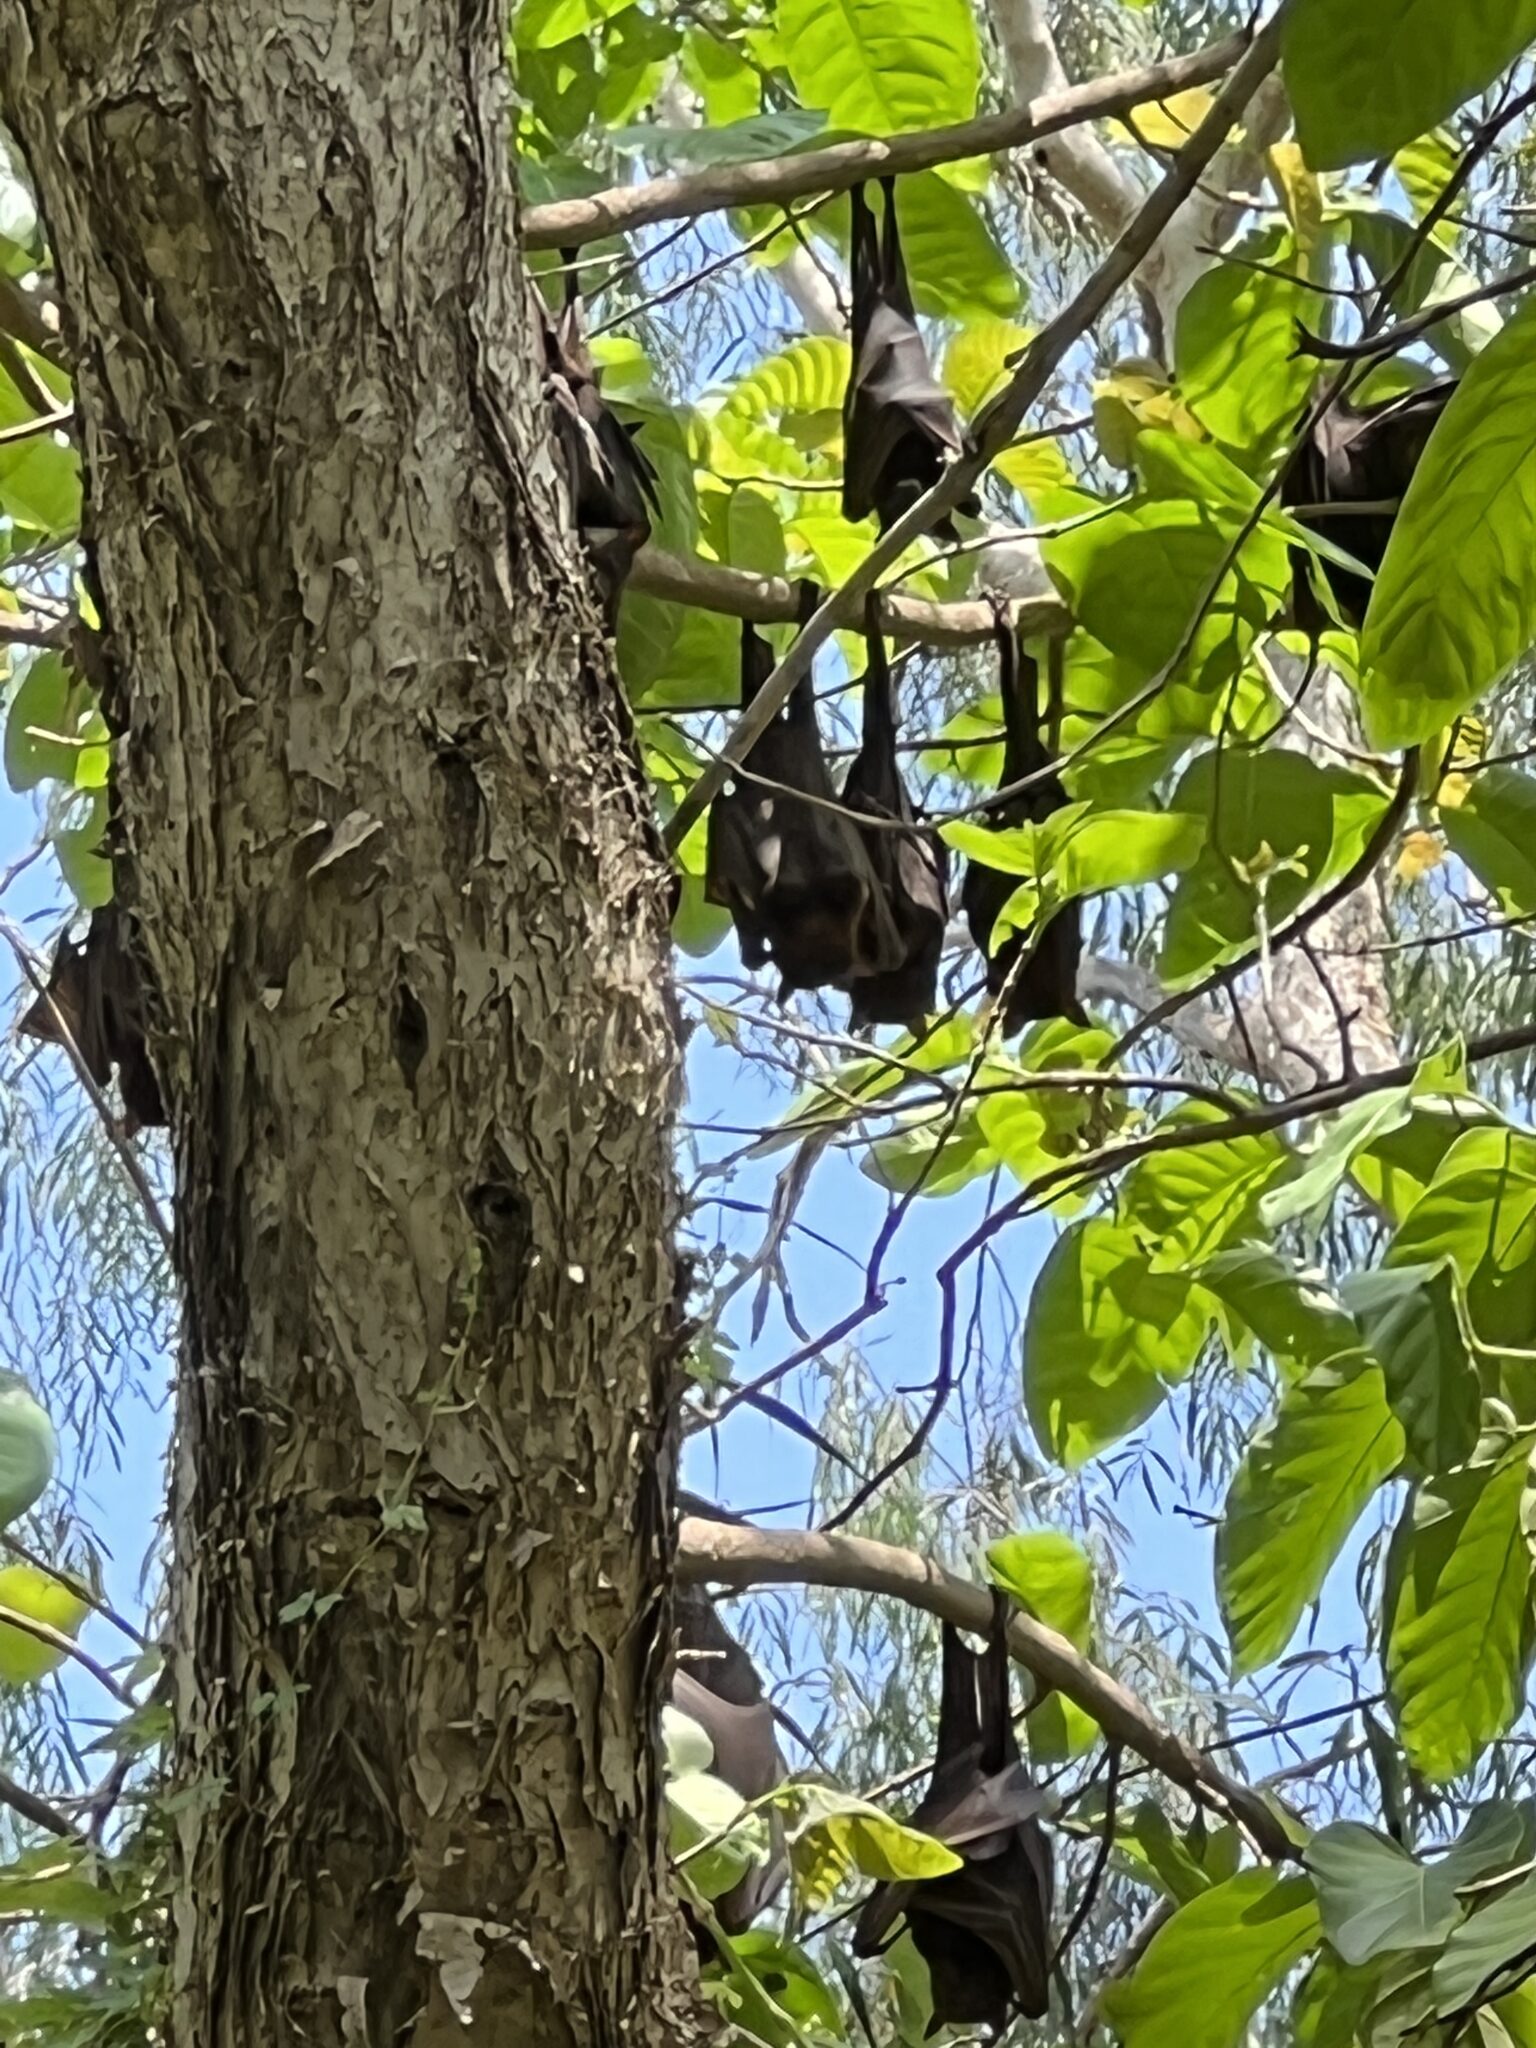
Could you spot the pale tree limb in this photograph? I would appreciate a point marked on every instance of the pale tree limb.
(999, 422)
(1081, 164)
(741, 1557)
(773, 601)
(569, 223)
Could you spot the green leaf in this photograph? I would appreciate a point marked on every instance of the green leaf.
(1480, 1213)
(1495, 1944)
(703, 1810)
(541, 24)
(1087, 850)
(797, 1986)
(1459, 1630)
(1367, 76)
(1375, 1898)
(87, 871)
(734, 142)
(1332, 2003)
(1396, 1169)
(688, 1747)
(1280, 829)
(1212, 1966)
(1304, 1482)
(955, 266)
(1050, 1575)
(1493, 830)
(976, 360)
(1236, 355)
(1137, 575)
(54, 730)
(937, 1156)
(1032, 1129)
(1188, 1204)
(1454, 606)
(837, 1835)
(1185, 1865)
(28, 1448)
(880, 67)
(1411, 1319)
(1333, 1153)
(1293, 1314)
(40, 485)
(1105, 1337)
(826, 1107)
(52, 1884)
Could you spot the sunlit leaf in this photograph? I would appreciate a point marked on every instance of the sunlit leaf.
(1367, 76)
(1303, 1484)
(1106, 1336)
(1212, 1966)
(880, 67)
(1459, 1619)
(1454, 605)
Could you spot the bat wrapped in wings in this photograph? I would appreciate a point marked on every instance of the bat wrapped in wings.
(899, 424)
(1351, 475)
(911, 868)
(1035, 971)
(783, 856)
(613, 485)
(716, 1685)
(984, 1930)
(95, 993)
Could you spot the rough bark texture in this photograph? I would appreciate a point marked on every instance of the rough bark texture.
(389, 861)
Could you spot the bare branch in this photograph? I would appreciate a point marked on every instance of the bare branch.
(773, 601)
(743, 1557)
(569, 223)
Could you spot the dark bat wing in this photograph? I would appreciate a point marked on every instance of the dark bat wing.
(1357, 456)
(898, 421)
(95, 990)
(612, 482)
(715, 1684)
(1039, 967)
(794, 874)
(984, 1929)
(911, 869)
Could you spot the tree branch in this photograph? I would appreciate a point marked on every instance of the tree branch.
(773, 601)
(569, 223)
(743, 1557)
(998, 423)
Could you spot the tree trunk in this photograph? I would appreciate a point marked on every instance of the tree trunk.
(388, 855)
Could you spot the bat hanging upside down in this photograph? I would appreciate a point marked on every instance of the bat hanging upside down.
(983, 1930)
(899, 424)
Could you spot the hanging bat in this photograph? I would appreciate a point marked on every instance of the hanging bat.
(898, 423)
(794, 875)
(911, 868)
(94, 988)
(716, 1685)
(983, 1930)
(1357, 456)
(613, 484)
(1038, 968)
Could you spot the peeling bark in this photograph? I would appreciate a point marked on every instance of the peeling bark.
(389, 859)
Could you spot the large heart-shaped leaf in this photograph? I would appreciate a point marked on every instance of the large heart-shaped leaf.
(1459, 1608)
(1454, 606)
(1302, 1486)
(1366, 76)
